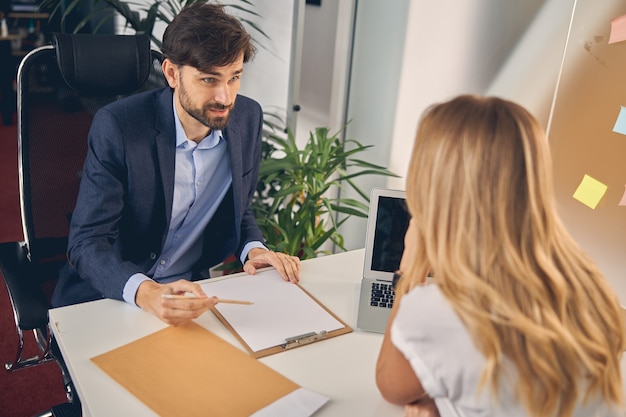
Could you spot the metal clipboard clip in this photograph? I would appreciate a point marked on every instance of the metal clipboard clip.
(303, 339)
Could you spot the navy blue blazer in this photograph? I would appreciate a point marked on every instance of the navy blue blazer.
(124, 205)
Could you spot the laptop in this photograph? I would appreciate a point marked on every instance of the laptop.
(387, 222)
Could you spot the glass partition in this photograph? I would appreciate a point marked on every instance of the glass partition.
(587, 133)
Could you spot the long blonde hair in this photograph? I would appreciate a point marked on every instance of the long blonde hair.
(479, 189)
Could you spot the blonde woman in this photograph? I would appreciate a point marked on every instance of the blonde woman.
(518, 320)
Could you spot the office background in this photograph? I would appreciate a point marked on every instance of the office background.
(377, 65)
(512, 49)
(380, 63)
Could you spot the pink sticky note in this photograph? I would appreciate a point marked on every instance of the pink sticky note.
(623, 202)
(618, 29)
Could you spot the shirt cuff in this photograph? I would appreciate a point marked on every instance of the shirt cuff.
(249, 246)
(131, 287)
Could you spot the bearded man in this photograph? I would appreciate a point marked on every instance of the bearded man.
(169, 178)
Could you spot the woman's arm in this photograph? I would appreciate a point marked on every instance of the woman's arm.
(398, 383)
(395, 378)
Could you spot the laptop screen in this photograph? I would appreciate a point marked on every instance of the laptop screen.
(387, 223)
(391, 225)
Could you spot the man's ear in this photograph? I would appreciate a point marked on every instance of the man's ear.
(170, 70)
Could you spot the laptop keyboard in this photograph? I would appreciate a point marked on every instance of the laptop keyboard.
(382, 295)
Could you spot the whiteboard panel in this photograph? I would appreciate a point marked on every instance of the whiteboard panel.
(589, 96)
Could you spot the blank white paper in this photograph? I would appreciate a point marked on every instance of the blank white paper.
(281, 310)
(299, 403)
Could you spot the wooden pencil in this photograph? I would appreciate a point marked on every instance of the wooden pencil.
(191, 297)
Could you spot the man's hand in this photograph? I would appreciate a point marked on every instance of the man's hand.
(173, 311)
(287, 266)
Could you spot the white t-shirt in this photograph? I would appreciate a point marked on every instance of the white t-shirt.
(443, 356)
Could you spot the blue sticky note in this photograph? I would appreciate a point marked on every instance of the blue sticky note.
(620, 123)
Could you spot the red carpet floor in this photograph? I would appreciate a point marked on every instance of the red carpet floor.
(27, 392)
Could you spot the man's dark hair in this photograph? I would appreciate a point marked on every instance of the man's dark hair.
(204, 36)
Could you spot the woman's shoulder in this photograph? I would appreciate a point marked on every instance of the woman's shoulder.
(427, 298)
(425, 313)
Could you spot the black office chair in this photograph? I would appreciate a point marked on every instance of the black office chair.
(60, 87)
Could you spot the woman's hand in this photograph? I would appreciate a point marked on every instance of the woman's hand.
(423, 408)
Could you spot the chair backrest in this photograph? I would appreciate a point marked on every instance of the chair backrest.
(60, 87)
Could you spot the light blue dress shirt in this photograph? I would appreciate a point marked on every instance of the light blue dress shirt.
(202, 178)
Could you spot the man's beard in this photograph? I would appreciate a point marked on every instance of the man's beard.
(201, 115)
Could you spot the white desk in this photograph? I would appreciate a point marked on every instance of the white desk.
(341, 368)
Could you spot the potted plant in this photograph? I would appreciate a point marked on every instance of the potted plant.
(294, 203)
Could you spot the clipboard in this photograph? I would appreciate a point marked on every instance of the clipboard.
(284, 315)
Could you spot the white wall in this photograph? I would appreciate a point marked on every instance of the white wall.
(462, 57)
(530, 74)
(266, 78)
(375, 84)
(449, 47)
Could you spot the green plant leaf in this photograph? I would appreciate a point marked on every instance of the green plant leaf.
(295, 195)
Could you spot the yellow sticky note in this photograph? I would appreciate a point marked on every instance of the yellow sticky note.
(590, 191)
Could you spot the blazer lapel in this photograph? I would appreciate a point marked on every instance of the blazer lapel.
(166, 150)
(233, 139)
